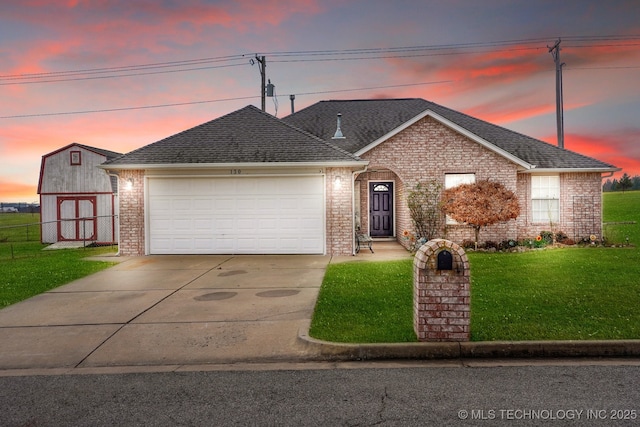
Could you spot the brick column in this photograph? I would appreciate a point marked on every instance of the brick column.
(441, 292)
(340, 233)
(131, 213)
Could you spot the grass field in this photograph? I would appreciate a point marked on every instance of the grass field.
(19, 227)
(577, 293)
(622, 207)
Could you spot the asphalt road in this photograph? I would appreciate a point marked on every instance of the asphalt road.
(364, 394)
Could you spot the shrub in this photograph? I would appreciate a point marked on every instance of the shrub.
(561, 237)
(547, 237)
(508, 244)
(468, 244)
(489, 244)
(422, 202)
(480, 205)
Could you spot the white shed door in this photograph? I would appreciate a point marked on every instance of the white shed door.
(266, 215)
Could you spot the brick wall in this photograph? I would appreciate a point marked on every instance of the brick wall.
(339, 220)
(580, 207)
(429, 150)
(131, 214)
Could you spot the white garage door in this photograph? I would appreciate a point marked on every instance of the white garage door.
(266, 215)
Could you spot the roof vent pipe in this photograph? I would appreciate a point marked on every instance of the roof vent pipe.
(338, 134)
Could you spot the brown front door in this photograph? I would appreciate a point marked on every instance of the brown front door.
(381, 209)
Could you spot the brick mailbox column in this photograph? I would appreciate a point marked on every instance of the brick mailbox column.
(441, 292)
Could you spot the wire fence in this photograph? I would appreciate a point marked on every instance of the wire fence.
(72, 232)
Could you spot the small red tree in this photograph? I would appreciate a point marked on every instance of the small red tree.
(481, 204)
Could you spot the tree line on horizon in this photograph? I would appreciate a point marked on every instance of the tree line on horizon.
(625, 183)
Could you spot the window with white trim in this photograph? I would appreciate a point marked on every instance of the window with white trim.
(545, 198)
(453, 180)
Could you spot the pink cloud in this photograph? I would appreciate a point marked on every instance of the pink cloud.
(472, 69)
(619, 149)
(501, 113)
(13, 191)
(84, 33)
(604, 53)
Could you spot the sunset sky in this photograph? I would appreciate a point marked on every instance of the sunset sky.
(124, 73)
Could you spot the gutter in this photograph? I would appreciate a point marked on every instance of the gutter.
(266, 165)
(611, 170)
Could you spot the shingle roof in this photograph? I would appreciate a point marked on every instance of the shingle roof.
(107, 153)
(364, 121)
(248, 135)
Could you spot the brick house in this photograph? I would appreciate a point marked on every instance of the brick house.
(249, 182)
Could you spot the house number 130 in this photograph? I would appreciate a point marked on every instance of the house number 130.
(236, 171)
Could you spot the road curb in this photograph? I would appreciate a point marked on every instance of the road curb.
(454, 350)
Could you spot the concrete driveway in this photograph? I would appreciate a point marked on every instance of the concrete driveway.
(167, 310)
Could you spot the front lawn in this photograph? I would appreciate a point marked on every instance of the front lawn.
(26, 270)
(580, 293)
(574, 293)
(365, 302)
(554, 294)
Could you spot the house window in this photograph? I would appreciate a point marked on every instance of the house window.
(76, 158)
(545, 198)
(453, 180)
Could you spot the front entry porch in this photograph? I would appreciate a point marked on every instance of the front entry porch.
(383, 250)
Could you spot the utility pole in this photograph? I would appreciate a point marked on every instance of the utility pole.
(555, 52)
(262, 65)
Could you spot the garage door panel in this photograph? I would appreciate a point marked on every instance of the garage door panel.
(224, 204)
(183, 244)
(243, 204)
(236, 215)
(203, 225)
(204, 244)
(202, 205)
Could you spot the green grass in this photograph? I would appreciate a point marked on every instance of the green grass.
(33, 271)
(580, 293)
(365, 302)
(622, 207)
(19, 227)
(27, 270)
(576, 293)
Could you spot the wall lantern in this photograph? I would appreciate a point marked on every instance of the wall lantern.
(337, 182)
(128, 185)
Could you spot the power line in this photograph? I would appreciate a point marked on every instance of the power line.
(129, 67)
(376, 87)
(307, 56)
(121, 75)
(403, 56)
(622, 67)
(178, 104)
(110, 110)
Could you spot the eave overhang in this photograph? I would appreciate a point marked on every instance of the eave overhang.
(254, 165)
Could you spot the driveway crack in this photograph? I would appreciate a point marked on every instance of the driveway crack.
(122, 325)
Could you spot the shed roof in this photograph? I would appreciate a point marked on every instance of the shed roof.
(108, 154)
